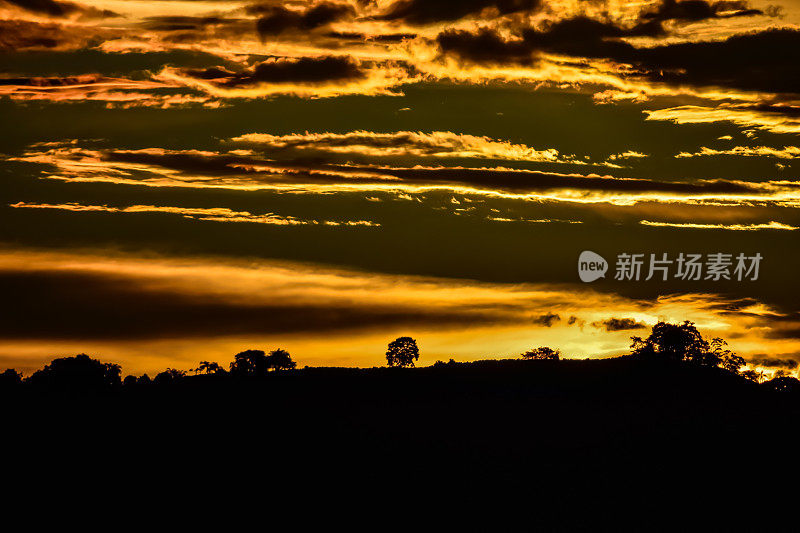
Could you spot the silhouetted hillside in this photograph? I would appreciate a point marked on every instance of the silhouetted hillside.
(499, 420)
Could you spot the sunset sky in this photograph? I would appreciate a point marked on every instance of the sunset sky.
(185, 179)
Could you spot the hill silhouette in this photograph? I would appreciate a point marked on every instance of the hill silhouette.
(544, 429)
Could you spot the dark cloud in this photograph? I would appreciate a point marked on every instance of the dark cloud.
(21, 35)
(304, 70)
(275, 20)
(513, 181)
(54, 81)
(761, 61)
(773, 362)
(758, 61)
(516, 181)
(430, 11)
(485, 47)
(697, 10)
(619, 324)
(183, 23)
(392, 37)
(575, 36)
(54, 305)
(547, 320)
(785, 332)
(379, 38)
(56, 9)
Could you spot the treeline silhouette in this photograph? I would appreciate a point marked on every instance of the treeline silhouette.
(667, 343)
(675, 416)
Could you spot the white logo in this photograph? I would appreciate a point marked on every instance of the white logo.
(591, 266)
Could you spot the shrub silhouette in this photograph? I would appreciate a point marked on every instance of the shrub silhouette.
(402, 352)
(77, 373)
(542, 353)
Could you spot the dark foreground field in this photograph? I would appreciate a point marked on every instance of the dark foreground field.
(555, 430)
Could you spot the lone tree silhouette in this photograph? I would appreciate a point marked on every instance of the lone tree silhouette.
(280, 360)
(682, 342)
(402, 352)
(542, 353)
(78, 373)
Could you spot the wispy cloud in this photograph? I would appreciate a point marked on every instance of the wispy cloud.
(732, 227)
(405, 143)
(214, 214)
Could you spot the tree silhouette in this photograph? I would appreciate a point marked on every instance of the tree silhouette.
(79, 373)
(682, 342)
(542, 353)
(10, 378)
(208, 368)
(249, 363)
(402, 352)
(728, 360)
(280, 360)
(753, 375)
(129, 381)
(169, 375)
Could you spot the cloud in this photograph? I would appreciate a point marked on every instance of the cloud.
(485, 46)
(432, 11)
(578, 36)
(302, 70)
(213, 214)
(317, 77)
(755, 61)
(787, 152)
(246, 170)
(773, 362)
(114, 92)
(547, 320)
(402, 143)
(171, 23)
(619, 324)
(275, 20)
(101, 297)
(120, 305)
(62, 9)
(697, 10)
(23, 35)
(764, 117)
(772, 225)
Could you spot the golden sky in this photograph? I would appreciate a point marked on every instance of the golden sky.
(186, 179)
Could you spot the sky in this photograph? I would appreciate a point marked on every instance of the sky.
(181, 180)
